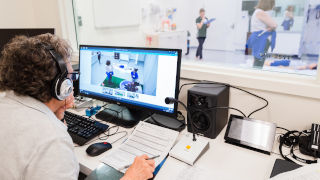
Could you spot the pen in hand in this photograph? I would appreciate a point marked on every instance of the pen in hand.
(127, 166)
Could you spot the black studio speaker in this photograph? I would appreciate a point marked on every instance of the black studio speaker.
(202, 100)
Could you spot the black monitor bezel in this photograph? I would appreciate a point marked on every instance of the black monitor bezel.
(128, 105)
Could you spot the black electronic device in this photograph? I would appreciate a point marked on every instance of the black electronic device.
(306, 141)
(135, 81)
(98, 148)
(208, 104)
(315, 138)
(7, 34)
(310, 145)
(83, 129)
(250, 133)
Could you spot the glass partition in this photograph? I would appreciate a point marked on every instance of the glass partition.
(211, 32)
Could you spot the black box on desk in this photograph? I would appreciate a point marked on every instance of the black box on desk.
(202, 100)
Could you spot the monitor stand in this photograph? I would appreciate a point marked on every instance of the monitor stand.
(165, 121)
(122, 116)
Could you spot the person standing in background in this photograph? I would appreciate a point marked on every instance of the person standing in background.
(109, 71)
(288, 19)
(188, 43)
(99, 56)
(202, 27)
(263, 34)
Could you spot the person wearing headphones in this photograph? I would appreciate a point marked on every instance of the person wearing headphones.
(34, 78)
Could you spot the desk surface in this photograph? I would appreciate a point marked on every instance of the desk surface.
(221, 161)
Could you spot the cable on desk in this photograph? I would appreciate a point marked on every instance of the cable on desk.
(115, 133)
(180, 115)
(221, 107)
(234, 87)
(283, 128)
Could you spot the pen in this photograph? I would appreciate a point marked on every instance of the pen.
(127, 166)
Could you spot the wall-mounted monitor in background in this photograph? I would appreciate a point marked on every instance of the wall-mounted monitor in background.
(7, 34)
(138, 78)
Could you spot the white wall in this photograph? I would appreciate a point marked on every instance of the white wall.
(30, 14)
(47, 14)
(89, 34)
(17, 13)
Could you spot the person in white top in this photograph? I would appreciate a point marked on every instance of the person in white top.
(34, 141)
(262, 21)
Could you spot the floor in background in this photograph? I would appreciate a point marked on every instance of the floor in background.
(239, 60)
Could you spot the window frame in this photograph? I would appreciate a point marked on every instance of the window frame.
(277, 82)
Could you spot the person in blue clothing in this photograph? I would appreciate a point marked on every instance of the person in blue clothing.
(288, 19)
(134, 76)
(263, 33)
(109, 71)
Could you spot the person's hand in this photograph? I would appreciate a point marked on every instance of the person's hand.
(67, 103)
(141, 169)
(269, 29)
(203, 19)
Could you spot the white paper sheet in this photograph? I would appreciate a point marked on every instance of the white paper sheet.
(308, 172)
(146, 139)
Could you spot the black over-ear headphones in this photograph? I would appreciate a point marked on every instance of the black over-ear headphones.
(291, 140)
(62, 86)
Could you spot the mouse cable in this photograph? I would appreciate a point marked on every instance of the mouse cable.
(231, 86)
(115, 133)
(125, 134)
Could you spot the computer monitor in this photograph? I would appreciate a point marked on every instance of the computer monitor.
(137, 78)
(7, 34)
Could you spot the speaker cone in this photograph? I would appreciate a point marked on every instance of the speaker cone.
(201, 121)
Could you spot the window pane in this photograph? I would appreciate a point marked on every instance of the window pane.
(251, 34)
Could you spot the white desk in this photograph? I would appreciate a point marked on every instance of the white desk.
(221, 161)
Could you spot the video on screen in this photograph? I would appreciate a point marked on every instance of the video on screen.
(134, 73)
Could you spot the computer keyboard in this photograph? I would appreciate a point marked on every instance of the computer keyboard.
(83, 129)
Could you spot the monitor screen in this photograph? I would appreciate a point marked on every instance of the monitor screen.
(139, 77)
(7, 34)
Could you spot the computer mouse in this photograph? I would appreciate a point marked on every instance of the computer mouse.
(98, 148)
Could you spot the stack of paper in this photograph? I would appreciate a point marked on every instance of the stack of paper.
(146, 139)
